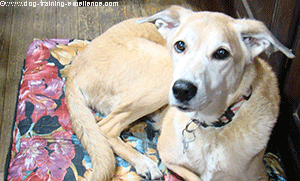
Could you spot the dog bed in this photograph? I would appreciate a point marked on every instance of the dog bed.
(43, 144)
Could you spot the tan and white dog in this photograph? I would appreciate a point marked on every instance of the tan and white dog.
(224, 100)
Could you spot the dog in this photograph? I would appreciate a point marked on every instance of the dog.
(218, 101)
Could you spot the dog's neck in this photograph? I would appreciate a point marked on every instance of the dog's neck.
(222, 110)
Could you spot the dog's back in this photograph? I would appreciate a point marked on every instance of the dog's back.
(128, 52)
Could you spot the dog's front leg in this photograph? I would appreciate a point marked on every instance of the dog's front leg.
(112, 127)
(186, 174)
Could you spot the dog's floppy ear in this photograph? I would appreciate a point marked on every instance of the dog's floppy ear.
(168, 20)
(259, 39)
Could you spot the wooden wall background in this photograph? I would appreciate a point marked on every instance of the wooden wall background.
(19, 25)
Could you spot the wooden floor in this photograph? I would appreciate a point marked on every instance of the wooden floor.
(19, 25)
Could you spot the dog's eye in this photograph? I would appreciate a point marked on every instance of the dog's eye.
(221, 54)
(179, 46)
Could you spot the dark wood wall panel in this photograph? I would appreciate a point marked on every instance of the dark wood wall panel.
(289, 118)
(261, 10)
(284, 27)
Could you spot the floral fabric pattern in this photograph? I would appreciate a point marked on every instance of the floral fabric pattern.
(44, 146)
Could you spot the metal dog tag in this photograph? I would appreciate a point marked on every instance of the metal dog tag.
(185, 140)
(185, 145)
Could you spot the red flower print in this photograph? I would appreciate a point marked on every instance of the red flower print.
(40, 53)
(15, 137)
(49, 43)
(42, 106)
(35, 177)
(52, 90)
(63, 115)
(63, 145)
(32, 154)
(40, 70)
(172, 178)
(40, 85)
(60, 159)
(56, 165)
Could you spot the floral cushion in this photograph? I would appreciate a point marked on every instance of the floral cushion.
(44, 146)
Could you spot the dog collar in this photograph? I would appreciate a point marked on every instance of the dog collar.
(229, 113)
(222, 121)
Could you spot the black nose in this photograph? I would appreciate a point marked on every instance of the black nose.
(184, 90)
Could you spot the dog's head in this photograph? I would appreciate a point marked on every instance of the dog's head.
(210, 52)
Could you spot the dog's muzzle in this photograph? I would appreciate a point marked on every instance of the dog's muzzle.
(184, 90)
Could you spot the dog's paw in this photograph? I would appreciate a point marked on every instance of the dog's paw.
(148, 169)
